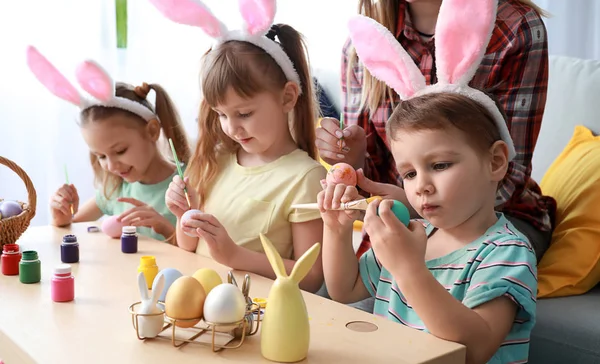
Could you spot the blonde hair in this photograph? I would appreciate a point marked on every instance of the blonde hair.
(169, 121)
(248, 70)
(386, 13)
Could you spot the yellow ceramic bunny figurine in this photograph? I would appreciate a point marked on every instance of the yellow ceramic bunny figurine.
(285, 332)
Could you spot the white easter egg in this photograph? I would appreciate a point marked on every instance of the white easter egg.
(224, 304)
(185, 217)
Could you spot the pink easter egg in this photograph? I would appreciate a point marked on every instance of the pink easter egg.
(342, 173)
(111, 227)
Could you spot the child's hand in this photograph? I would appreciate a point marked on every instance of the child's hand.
(396, 246)
(145, 215)
(175, 196)
(332, 197)
(61, 202)
(221, 247)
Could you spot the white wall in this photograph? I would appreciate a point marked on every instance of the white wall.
(38, 131)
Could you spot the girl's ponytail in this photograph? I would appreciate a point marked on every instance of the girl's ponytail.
(306, 110)
(171, 123)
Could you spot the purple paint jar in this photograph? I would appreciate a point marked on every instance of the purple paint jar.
(129, 240)
(69, 249)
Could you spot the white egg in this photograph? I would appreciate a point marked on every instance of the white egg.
(224, 304)
(185, 217)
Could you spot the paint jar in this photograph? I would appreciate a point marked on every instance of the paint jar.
(149, 268)
(30, 267)
(11, 256)
(69, 249)
(129, 240)
(63, 284)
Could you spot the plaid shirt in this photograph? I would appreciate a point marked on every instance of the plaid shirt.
(514, 69)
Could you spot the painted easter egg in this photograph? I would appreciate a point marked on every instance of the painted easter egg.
(400, 211)
(342, 173)
(187, 216)
(185, 301)
(208, 278)
(10, 209)
(171, 275)
(111, 227)
(225, 304)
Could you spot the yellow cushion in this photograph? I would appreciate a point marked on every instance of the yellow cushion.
(571, 264)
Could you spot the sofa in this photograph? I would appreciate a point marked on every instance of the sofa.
(567, 328)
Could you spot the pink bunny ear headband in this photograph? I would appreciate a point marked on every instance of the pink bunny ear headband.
(258, 18)
(91, 77)
(462, 33)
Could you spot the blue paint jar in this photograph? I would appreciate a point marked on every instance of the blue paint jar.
(69, 249)
(129, 240)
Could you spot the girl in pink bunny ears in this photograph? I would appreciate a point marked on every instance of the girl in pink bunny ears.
(466, 275)
(256, 153)
(122, 129)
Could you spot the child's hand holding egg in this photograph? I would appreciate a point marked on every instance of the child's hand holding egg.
(186, 218)
(342, 173)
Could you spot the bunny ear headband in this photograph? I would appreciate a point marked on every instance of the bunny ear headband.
(462, 33)
(91, 77)
(258, 18)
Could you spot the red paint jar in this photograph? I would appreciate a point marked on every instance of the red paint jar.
(11, 256)
(63, 284)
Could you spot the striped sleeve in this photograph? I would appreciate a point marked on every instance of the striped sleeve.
(509, 269)
(370, 271)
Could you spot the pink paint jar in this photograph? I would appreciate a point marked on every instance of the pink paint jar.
(63, 284)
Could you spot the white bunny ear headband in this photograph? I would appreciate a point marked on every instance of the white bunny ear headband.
(258, 18)
(91, 77)
(462, 33)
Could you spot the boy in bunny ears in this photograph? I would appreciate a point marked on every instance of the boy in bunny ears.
(468, 275)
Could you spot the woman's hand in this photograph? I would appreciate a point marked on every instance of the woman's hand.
(336, 145)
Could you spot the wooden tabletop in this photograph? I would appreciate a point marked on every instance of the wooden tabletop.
(96, 327)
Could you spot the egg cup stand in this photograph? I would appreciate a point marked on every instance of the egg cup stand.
(234, 332)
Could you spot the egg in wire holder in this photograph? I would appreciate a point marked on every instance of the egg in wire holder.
(237, 331)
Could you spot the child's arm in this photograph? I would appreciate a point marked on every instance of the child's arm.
(89, 211)
(304, 235)
(342, 276)
(185, 242)
(481, 329)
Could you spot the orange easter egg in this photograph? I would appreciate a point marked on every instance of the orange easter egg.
(185, 301)
(342, 173)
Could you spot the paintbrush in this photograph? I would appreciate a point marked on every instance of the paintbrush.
(352, 205)
(67, 180)
(180, 172)
(341, 130)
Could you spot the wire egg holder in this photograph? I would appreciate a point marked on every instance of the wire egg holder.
(235, 332)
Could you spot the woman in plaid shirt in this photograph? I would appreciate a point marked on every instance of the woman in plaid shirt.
(514, 70)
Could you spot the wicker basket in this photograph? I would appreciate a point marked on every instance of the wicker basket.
(12, 227)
